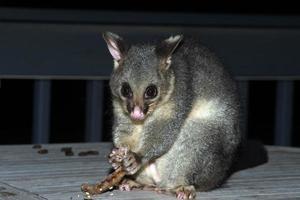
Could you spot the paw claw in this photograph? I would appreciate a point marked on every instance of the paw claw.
(180, 196)
(128, 185)
(124, 187)
(186, 192)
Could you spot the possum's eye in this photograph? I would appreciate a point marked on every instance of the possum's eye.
(126, 91)
(151, 92)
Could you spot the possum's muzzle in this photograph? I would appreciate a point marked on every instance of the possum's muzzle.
(138, 113)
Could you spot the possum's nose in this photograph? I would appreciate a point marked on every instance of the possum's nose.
(137, 113)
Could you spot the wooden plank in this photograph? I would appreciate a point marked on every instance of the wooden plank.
(8, 192)
(284, 113)
(77, 51)
(244, 99)
(94, 111)
(41, 111)
(58, 177)
(146, 18)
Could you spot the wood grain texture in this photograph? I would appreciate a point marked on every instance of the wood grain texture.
(58, 177)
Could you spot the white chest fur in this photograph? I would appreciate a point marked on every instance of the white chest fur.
(152, 172)
(206, 109)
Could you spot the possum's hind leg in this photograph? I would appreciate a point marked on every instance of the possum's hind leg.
(129, 184)
(185, 192)
(182, 192)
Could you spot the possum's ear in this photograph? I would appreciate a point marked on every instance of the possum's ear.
(166, 48)
(116, 47)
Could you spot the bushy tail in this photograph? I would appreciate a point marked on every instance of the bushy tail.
(252, 153)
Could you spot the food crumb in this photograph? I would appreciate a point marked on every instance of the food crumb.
(7, 194)
(68, 151)
(87, 153)
(2, 188)
(87, 196)
(43, 151)
(37, 146)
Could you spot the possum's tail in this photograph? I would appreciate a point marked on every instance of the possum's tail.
(252, 153)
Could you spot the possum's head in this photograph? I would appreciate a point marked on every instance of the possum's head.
(142, 78)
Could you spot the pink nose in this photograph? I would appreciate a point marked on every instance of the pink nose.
(137, 113)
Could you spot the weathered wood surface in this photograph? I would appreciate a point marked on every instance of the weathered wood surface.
(55, 176)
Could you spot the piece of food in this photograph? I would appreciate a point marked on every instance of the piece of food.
(87, 153)
(68, 151)
(43, 151)
(108, 183)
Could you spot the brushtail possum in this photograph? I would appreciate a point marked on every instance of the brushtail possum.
(176, 115)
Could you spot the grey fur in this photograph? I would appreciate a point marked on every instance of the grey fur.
(187, 148)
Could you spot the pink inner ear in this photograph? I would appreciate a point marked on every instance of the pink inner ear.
(114, 52)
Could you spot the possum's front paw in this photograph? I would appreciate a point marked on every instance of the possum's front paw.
(122, 157)
(131, 164)
(116, 157)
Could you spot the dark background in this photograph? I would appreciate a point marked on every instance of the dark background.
(68, 96)
(204, 6)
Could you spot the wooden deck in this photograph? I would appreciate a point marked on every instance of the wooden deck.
(26, 174)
